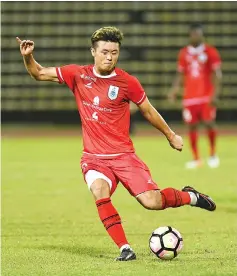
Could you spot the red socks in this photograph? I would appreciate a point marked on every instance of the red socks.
(111, 220)
(174, 198)
(193, 137)
(212, 139)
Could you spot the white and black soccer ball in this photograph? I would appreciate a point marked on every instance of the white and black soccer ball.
(166, 242)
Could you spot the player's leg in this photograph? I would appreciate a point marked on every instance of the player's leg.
(173, 198)
(136, 178)
(208, 117)
(193, 140)
(191, 118)
(102, 187)
(109, 216)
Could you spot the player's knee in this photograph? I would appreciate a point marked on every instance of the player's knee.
(100, 189)
(193, 127)
(150, 200)
(210, 125)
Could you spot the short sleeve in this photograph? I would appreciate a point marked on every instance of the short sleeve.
(136, 92)
(181, 61)
(66, 74)
(215, 59)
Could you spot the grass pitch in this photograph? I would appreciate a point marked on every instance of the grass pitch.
(50, 224)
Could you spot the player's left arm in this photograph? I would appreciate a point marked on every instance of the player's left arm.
(217, 81)
(137, 95)
(217, 74)
(154, 117)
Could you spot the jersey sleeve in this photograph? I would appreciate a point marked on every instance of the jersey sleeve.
(215, 58)
(66, 74)
(136, 93)
(181, 61)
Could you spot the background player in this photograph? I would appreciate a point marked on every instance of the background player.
(103, 92)
(199, 67)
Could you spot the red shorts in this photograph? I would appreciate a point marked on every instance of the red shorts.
(126, 168)
(201, 112)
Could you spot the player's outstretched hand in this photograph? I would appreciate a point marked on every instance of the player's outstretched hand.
(176, 142)
(26, 46)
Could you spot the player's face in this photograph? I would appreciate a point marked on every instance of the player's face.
(106, 56)
(196, 37)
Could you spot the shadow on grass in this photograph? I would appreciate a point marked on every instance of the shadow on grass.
(108, 256)
(79, 250)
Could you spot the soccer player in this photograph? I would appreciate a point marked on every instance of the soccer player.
(199, 67)
(102, 93)
(133, 110)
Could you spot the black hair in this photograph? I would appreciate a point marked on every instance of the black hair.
(196, 26)
(111, 34)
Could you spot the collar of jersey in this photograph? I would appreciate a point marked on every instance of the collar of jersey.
(104, 77)
(198, 50)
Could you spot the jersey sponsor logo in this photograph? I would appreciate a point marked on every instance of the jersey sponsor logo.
(97, 107)
(113, 92)
(96, 100)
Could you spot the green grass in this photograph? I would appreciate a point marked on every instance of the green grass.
(50, 224)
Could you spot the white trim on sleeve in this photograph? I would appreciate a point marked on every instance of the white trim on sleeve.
(216, 65)
(144, 95)
(60, 74)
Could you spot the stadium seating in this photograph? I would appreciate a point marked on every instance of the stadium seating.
(154, 32)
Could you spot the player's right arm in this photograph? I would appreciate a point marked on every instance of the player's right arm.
(178, 81)
(36, 71)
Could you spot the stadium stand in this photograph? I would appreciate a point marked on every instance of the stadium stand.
(154, 33)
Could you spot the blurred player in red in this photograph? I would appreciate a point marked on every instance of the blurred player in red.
(103, 92)
(199, 69)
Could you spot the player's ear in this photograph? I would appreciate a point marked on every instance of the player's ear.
(92, 51)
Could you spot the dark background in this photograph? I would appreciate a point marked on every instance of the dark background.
(154, 33)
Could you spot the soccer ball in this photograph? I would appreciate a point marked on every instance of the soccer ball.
(166, 242)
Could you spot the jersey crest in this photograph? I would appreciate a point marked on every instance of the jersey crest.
(113, 92)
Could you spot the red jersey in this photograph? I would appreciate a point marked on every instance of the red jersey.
(103, 104)
(197, 64)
